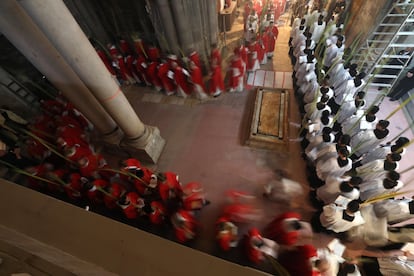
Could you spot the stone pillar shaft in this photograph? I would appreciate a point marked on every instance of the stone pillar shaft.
(20, 30)
(58, 24)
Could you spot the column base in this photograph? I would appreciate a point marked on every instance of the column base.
(146, 148)
(113, 138)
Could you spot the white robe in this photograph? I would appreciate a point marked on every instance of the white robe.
(331, 219)
(331, 168)
(379, 152)
(375, 187)
(395, 210)
(330, 191)
(364, 141)
(317, 31)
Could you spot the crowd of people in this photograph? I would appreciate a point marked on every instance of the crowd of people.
(352, 161)
(64, 163)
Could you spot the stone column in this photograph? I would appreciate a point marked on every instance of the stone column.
(183, 25)
(58, 24)
(213, 20)
(20, 30)
(169, 35)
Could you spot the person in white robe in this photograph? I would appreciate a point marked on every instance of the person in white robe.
(315, 110)
(318, 28)
(360, 122)
(334, 166)
(382, 151)
(367, 140)
(390, 163)
(338, 186)
(331, 150)
(349, 108)
(377, 187)
(395, 210)
(340, 219)
(317, 142)
(311, 91)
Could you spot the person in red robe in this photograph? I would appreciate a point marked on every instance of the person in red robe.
(226, 233)
(114, 193)
(141, 66)
(215, 56)
(167, 78)
(131, 205)
(124, 73)
(185, 225)
(257, 247)
(270, 40)
(158, 213)
(261, 54)
(198, 87)
(95, 190)
(153, 53)
(216, 80)
(124, 47)
(169, 189)
(302, 260)
(252, 57)
(75, 185)
(193, 196)
(181, 76)
(140, 47)
(106, 61)
(195, 57)
(285, 228)
(88, 166)
(153, 77)
(236, 79)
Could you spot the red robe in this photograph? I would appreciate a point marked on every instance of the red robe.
(195, 57)
(193, 197)
(170, 188)
(124, 47)
(226, 233)
(270, 40)
(123, 71)
(153, 77)
(215, 57)
(94, 194)
(134, 205)
(141, 66)
(277, 231)
(76, 152)
(69, 135)
(140, 47)
(298, 261)
(88, 166)
(185, 225)
(74, 187)
(252, 249)
(216, 81)
(158, 214)
(153, 54)
(236, 76)
(183, 87)
(252, 57)
(115, 191)
(106, 61)
(167, 81)
(113, 51)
